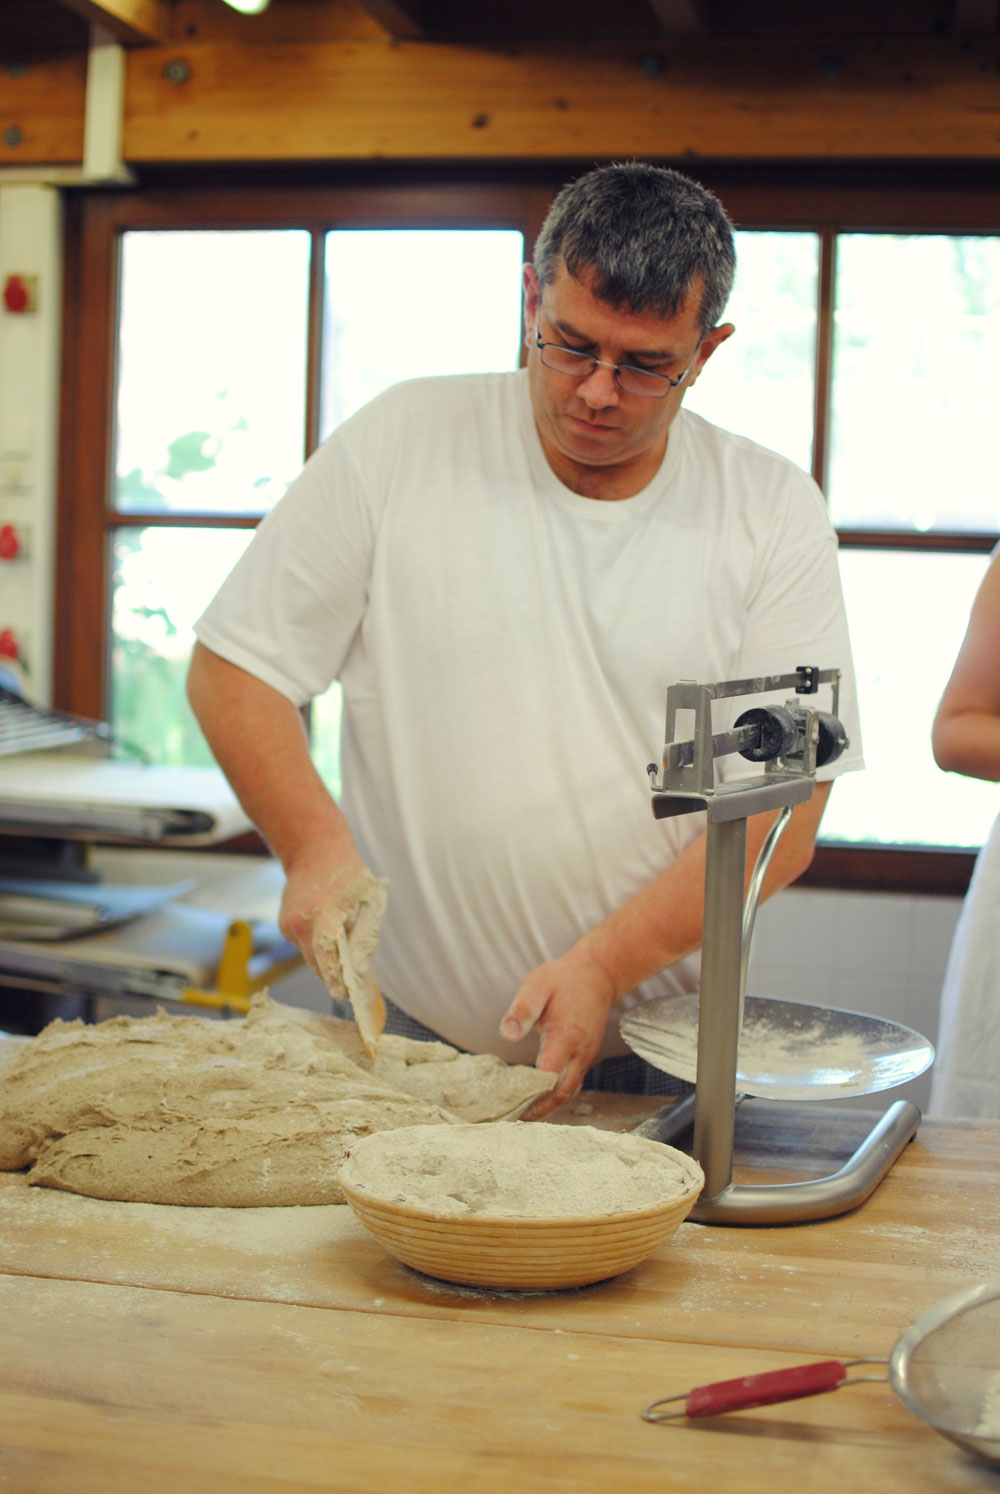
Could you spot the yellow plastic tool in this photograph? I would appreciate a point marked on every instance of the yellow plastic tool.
(236, 980)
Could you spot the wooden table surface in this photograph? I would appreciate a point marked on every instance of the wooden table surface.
(158, 1349)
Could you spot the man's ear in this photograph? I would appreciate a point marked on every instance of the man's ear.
(532, 295)
(709, 343)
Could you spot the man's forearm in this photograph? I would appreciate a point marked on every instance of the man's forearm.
(663, 922)
(259, 741)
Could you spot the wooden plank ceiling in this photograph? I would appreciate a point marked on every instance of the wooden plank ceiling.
(362, 80)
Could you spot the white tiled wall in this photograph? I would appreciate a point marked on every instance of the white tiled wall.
(879, 953)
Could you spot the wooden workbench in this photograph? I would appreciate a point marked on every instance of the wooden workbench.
(157, 1349)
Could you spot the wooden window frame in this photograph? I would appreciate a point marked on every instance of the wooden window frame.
(828, 200)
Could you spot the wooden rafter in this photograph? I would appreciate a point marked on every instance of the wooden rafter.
(926, 98)
(130, 21)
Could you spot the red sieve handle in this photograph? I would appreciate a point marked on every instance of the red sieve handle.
(766, 1389)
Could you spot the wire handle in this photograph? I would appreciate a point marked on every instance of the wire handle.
(755, 1390)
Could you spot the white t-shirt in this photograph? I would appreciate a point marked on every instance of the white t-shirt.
(504, 648)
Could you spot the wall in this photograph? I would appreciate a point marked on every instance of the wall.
(30, 248)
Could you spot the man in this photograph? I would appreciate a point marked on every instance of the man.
(506, 572)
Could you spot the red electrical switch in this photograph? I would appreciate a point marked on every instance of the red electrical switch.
(20, 293)
(10, 542)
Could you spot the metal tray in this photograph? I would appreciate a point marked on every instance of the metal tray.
(789, 1050)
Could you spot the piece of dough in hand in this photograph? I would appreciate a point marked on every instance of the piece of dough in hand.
(344, 955)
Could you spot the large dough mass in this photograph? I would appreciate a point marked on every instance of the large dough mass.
(254, 1111)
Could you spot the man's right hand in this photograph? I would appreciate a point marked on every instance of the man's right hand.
(323, 894)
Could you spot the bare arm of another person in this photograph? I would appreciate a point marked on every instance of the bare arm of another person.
(259, 741)
(966, 732)
(569, 1000)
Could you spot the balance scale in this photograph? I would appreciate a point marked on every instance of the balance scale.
(791, 742)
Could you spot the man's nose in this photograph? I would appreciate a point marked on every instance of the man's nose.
(600, 388)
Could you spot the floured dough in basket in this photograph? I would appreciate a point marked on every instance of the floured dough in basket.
(249, 1112)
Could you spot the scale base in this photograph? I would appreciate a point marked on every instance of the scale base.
(802, 1201)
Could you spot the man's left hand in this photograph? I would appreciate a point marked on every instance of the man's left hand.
(568, 1000)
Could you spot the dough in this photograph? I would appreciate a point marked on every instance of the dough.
(475, 1086)
(255, 1111)
(345, 957)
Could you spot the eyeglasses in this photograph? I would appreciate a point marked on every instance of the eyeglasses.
(632, 380)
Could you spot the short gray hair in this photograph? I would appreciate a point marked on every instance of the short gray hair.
(647, 234)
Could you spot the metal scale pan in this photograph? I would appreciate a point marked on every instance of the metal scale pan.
(788, 1050)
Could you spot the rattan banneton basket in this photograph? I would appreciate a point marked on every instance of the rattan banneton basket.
(496, 1250)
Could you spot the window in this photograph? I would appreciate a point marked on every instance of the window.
(762, 383)
(209, 420)
(210, 415)
(915, 344)
(868, 316)
(411, 303)
(211, 398)
(911, 348)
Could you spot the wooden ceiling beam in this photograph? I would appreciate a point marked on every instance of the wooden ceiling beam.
(404, 19)
(134, 22)
(212, 102)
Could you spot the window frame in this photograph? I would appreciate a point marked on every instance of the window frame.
(826, 200)
(911, 198)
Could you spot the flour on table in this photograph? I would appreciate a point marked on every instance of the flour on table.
(989, 1412)
(528, 1172)
(251, 1112)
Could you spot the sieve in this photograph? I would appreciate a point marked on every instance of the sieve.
(945, 1368)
